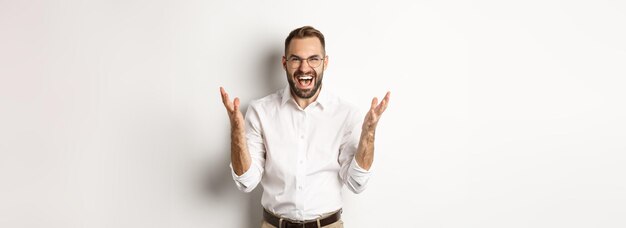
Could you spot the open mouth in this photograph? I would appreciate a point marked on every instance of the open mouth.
(304, 81)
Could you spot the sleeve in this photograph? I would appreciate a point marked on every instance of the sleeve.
(353, 176)
(256, 147)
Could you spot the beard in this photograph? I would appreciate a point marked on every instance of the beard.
(305, 93)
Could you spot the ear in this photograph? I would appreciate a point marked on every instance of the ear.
(284, 61)
(325, 62)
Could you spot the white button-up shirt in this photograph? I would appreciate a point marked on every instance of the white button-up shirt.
(302, 157)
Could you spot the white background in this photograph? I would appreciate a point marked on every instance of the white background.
(502, 114)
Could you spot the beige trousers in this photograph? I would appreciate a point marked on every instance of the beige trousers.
(338, 224)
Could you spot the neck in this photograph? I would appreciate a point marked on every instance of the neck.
(305, 102)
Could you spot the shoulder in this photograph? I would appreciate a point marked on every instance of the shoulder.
(344, 109)
(268, 101)
(350, 114)
(344, 105)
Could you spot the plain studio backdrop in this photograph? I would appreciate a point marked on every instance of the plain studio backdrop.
(502, 114)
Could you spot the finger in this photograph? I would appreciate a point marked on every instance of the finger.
(225, 100)
(374, 103)
(236, 104)
(384, 103)
(224, 95)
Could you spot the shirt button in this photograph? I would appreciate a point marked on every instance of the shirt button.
(301, 162)
(302, 136)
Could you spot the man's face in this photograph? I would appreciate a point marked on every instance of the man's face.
(304, 80)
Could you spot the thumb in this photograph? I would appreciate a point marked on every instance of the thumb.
(236, 104)
(374, 103)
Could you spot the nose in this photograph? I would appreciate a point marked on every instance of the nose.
(304, 66)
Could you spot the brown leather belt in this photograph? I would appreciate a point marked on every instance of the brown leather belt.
(272, 219)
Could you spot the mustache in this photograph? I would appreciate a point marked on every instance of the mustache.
(301, 73)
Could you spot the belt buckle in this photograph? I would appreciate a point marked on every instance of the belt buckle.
(301, 224)
(295, 224)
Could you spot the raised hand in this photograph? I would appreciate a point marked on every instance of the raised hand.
(373, 115)
(239, 155)
(232, 107)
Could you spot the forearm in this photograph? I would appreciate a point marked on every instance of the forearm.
(365, 152)
(239, 155)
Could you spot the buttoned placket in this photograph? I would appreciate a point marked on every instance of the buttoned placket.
(301, 162)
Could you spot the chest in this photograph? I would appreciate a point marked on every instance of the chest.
(291, 137)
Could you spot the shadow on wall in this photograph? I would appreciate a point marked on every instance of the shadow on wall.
(219, 176)
(220, 184)
(274, 75)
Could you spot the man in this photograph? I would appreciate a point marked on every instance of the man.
(302, 143)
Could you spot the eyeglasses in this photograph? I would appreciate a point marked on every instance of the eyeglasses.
(313, 61)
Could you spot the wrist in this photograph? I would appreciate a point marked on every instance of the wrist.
(368, 131)
(367, 136)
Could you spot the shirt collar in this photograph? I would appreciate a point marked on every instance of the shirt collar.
(323, 99)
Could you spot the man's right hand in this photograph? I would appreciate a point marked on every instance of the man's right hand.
(239, 155)
(232, 107)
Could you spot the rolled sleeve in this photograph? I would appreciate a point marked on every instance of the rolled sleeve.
(247, 181)
(357, 177)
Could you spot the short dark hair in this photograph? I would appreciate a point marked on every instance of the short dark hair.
(304, 32)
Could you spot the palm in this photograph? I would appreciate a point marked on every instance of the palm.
(375, 112)
(232, 107)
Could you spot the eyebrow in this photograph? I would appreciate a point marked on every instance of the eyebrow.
(292, 55)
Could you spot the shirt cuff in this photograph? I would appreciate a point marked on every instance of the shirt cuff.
(358, 168)
(358, 177)
(244, 180)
